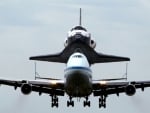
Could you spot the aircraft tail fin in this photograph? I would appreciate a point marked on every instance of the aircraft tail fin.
(80, 18)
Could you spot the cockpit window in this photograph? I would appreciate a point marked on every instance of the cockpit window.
(78, 28)
(77, 56)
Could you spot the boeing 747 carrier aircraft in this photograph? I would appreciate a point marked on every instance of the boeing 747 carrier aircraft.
(78, 55)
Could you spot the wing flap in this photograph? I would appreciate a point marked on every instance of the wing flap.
(54, 84)
(50, 87)
(48, 90)
(11, 82)
(108, 88)
(109, 91)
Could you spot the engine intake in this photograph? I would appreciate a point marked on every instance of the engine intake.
(130, 90)
(92, 44)
(66, 43)
(26, 88)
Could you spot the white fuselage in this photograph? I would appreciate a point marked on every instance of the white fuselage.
(78, 76)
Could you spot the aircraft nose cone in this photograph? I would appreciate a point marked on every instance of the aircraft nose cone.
(78, 36)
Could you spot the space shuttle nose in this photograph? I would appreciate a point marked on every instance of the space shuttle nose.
(78, 36)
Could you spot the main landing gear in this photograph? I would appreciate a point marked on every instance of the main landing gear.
(102, 101)
(70, 102)
(54, 101)
(86, 102)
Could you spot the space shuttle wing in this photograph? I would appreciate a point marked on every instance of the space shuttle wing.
(50, 58)
(93, 58)
(102, 58)
(79, 46)
(61, 57)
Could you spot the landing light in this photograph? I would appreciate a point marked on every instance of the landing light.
(103, 82)
(53, 82)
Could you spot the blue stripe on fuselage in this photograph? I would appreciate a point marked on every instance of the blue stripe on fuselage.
(78, 68)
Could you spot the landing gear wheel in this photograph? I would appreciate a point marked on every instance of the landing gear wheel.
(54, 101)
(70, 102)
(102, 101)
(54, 104)
(86, 103)
(104, 105)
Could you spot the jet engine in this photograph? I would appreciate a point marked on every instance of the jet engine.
(130, 90)
(92, 44)
(26, 88)
(66, 43)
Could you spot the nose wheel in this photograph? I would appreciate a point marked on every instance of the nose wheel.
(102, 101)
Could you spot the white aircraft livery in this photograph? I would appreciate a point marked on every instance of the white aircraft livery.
(79, 55)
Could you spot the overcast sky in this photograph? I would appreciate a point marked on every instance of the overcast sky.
(37, 27)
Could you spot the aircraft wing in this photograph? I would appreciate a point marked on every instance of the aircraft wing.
(52, 87)
(108, 88)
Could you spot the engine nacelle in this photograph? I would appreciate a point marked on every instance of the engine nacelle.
(92, 44)
(66, 43)
(130, 90)
(26, 88)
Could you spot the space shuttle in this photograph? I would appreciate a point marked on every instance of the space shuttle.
(80, 40)
(78, 54)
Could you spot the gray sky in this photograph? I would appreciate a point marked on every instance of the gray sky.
(36, 27)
